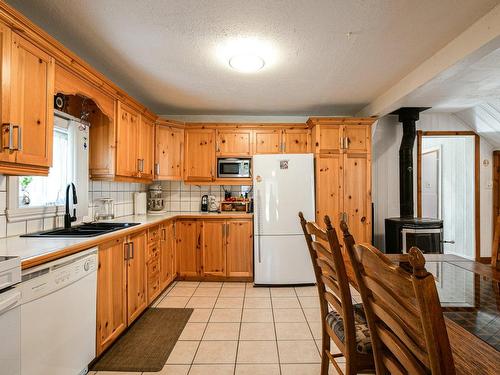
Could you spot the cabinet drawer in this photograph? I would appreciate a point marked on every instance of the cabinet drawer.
(153, 251)
(153, 267)
(153, 234)
(153, 287)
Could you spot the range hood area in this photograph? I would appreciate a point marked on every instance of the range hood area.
(406, 231)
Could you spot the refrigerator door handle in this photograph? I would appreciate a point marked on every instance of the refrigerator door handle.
(258, 226)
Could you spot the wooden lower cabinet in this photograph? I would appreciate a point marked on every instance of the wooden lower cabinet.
(167, 251)
(136, 276)
(214, 248)
(111, 296)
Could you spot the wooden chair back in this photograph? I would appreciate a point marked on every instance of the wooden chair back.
(403, 312)
(495, 254)
(349, 243)
(331, 278)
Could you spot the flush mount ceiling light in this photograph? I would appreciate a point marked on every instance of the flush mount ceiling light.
(246, 54)
(246, 63)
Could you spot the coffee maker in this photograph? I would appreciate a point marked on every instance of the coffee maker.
(156, 202)
(204, 203)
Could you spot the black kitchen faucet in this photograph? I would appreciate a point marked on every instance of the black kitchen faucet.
(68, 219)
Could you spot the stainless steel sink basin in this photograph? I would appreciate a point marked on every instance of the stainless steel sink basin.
(83, 230)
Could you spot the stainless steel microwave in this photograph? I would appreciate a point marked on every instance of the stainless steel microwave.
(233, 168)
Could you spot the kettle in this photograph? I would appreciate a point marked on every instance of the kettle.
(204, 203)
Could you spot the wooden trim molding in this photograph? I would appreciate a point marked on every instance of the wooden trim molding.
(477, 207)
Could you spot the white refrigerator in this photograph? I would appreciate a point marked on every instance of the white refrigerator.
(283, 186)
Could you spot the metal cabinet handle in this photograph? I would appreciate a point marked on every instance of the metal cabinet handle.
(157, 169)
(164, 234)
(258, 225)
(132, 250)
(8, 130)
(125, 250)
(19, 137)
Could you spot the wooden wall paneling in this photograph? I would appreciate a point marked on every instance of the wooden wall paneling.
(169, 152)
(111, 293)
(239, 248)
(213, 249)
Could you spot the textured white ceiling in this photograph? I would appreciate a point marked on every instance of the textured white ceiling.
(163, 52)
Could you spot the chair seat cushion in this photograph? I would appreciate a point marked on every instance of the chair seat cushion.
(363, 339)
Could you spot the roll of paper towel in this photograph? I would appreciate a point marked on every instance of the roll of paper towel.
(140, 204)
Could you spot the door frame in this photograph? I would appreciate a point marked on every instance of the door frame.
(439, 151)
(477, 208)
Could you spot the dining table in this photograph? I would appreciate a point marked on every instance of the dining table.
(469, 293)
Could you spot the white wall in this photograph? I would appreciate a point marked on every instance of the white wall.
(387, 135)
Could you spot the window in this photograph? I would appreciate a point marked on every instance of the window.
(38, 191)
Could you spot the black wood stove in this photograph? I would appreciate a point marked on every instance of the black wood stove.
(401, 233)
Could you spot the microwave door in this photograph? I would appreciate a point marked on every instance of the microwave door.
(229, 169)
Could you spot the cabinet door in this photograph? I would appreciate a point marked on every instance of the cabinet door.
(127, 160)
(136, 276)
(187, 247)
(6, 154)
(357, 196)
(146, 144)
(357, 138)
(234, 142)
(330, 139)
(239, 244)
(267, 141)
(32, 103)
(214, 248)
(111, 293)
(296, 141)
(199, 157)
(169, 154)
(167, 255)
(329, 188)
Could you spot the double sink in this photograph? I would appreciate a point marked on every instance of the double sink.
(82, 230)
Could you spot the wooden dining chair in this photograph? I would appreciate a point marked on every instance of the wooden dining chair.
(404, 314)
(342, 322)
(495, 254)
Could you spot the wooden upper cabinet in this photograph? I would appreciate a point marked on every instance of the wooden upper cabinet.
(239, 248)
(296, 141)
(234, 142)
(357, 138)
(188, 238)
(127, 161)
(111, 293)
(169, 152)
(199, 155)
(329, 139)
(136, 276)
(27, 104)
(145, 153)
(268, 141)
(213, 260)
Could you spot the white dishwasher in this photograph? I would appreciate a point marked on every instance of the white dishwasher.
(58, 315)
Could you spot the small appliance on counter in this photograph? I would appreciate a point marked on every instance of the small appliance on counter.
(209, 204)
(140, 203)
(204, 203)
(104, 209)
(156, 202)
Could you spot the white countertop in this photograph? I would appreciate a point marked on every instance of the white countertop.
(33, 247)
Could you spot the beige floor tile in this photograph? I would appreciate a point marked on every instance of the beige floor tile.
(200, 315)
(257, 352)
(233, 284)
(210, 284)
(170, 370)
(176, 302)
(300, 369)
(201, 302)
(307, 291)
(286, 303)
(257, 303)
(312, 315)
(257, 369)
(207, 292)
(282, 292)
(229, 303)
(309, 302)
(216, 352)
(193, 331)
(298, 352)
(190, 284)
(257, 292)
(226, 316)
(183, 353)
(257, 331)
(222, 331)
(293, 331)
(289, 315)
(257, 315)
(212, 369)
(180, 291)
(316, 329)
(232, 292)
